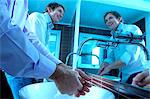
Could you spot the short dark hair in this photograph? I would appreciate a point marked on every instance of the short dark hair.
(115, 13)
(54, 5)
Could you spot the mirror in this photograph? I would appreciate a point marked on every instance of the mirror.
(91, 25)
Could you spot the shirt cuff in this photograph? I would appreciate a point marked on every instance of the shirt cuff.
(46, 67)
(54, 59)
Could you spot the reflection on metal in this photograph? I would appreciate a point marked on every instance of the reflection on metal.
(68, 56)
(82, 54)
(127, 91)
(113, 43)
(130, 37)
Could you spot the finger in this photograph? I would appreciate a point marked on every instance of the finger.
(86, 89)
(147, 86)
(88, 84)
(139, 77)
(83, 91)
(77, 95)
(82, 80)
(80, 87)
(83, 75)
(101, 71)
(70, 93)
(135, 83)
(80, 92)
(85, 82)
(146, 80)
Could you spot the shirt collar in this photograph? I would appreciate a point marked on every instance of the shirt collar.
(118, 30)
(48, 20)
(47, 17)
(120, 27)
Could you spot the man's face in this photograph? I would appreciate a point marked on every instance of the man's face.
(111, 21)
(57, 14)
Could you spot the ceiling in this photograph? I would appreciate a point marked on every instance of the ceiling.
(92, 11)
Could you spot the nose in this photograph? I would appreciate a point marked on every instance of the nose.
(108, 22)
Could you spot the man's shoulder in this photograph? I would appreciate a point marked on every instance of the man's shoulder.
(133, 26)
(36, 14)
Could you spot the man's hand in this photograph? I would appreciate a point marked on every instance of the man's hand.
(70, 82)
(104, 68)
(142, 79)
(84, 80)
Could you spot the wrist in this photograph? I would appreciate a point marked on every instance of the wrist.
(110, 67)
(58, 72)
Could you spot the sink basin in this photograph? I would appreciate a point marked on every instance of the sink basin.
(48, 90)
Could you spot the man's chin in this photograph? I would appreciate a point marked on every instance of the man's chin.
(111, 28)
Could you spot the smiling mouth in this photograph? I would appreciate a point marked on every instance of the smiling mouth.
(110, 25)
(58, 17)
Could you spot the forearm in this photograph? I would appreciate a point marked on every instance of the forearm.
(18, 56)
(116, 65)
(41, 47)
(44, 68)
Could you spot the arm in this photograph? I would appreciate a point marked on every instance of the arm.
(115, 65)
(33, 21)
(18, 56)
(109, 60)
(122, 61)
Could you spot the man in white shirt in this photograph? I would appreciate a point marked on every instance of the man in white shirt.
(39, 24)
(129, 59)
(20, 58)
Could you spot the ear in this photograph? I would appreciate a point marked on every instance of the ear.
(120, 19)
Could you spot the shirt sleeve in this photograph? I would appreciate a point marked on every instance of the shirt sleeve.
(37, 28)
(132, 51)
(18, 56)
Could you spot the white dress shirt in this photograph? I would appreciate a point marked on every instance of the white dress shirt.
(18, 56)
(132, 55)
(39, 24)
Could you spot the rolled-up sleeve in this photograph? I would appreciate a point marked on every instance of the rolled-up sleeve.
(18, 56)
